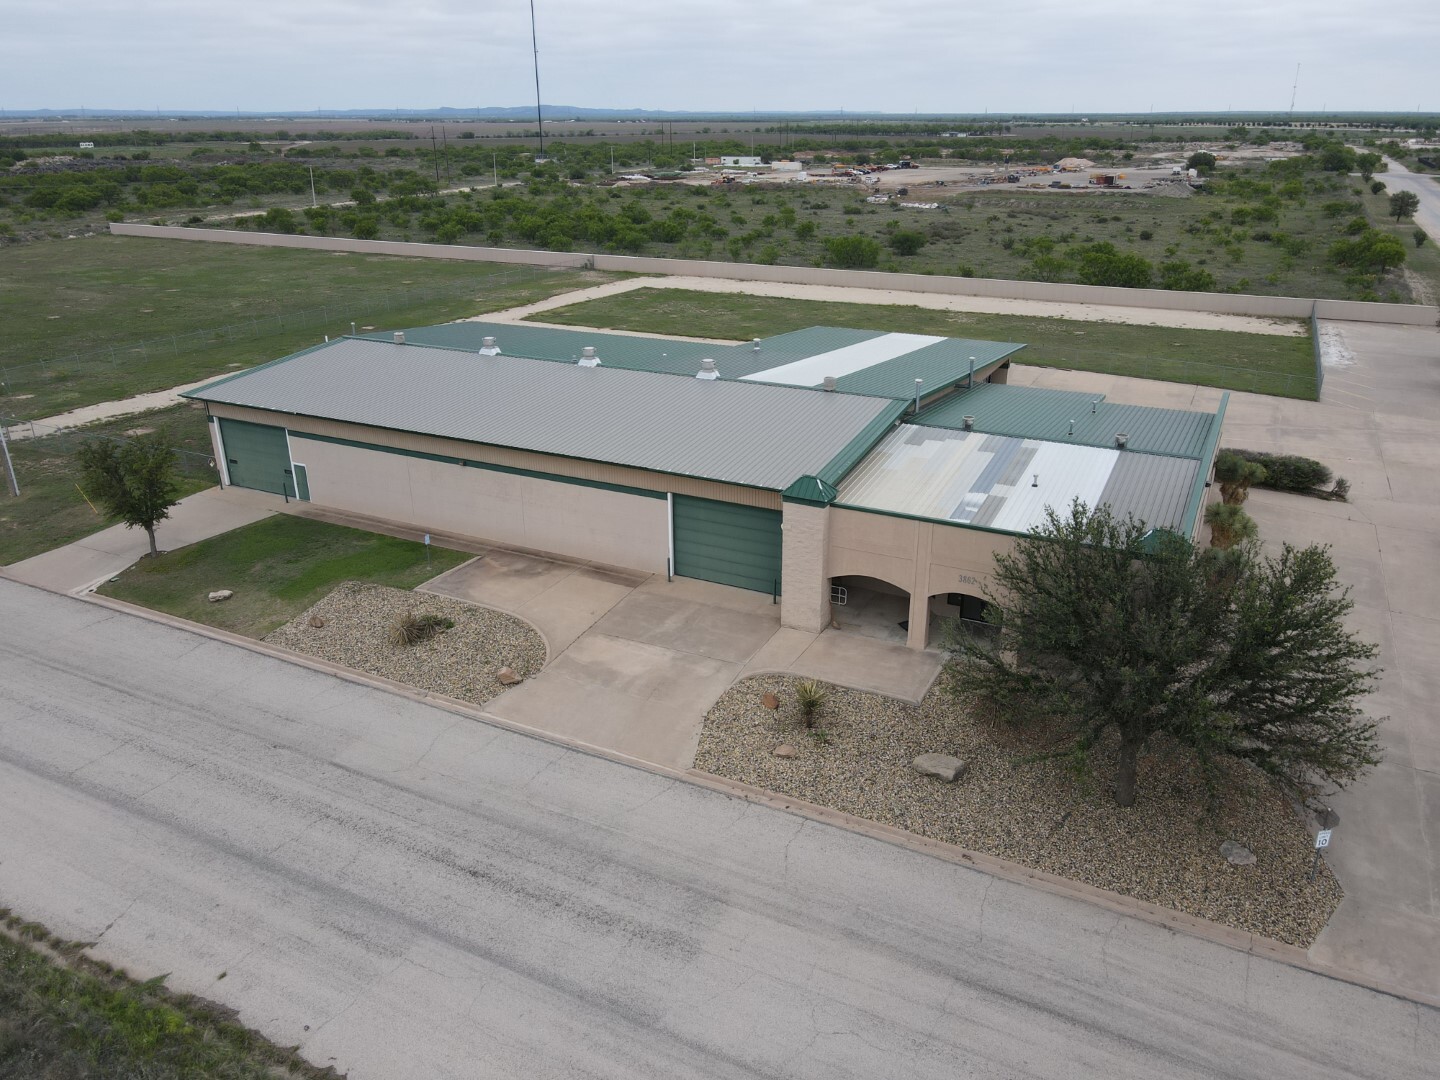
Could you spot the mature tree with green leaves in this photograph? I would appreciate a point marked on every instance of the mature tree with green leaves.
(1120, 634)
(1403, 204)
(1372, 250)
(134, 480)
(1368, 164)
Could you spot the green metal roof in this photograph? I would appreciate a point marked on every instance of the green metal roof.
(1032, 413)
(550, 343)
(943, 363)
(946, 363)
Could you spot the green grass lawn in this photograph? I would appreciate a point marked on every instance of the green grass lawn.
(52, 510)
(73, 301)
(277, 568)
(66, 1017)
(1265, 363)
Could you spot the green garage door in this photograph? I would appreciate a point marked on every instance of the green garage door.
(257, 457)
(727, 543)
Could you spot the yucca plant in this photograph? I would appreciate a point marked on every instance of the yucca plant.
(810, 696)
(412, 629)
(1229, 525)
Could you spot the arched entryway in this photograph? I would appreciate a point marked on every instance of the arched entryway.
(869, 607)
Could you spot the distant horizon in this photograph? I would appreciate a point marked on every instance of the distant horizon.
(566, 113)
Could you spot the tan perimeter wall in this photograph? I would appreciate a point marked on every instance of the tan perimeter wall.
(591, 524)
(1290, 307)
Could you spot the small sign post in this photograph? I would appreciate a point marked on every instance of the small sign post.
(1322, 841)
(427, 551)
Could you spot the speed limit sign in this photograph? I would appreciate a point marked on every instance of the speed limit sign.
(1322, 839)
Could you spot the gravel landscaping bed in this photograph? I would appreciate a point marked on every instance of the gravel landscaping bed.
(460, 662)
(1164, 850)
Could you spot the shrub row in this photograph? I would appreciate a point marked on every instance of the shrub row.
(1287, 472)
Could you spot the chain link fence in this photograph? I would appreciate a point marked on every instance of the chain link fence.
(339, 318)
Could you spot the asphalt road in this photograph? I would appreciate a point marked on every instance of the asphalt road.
(403, 892)
(1399, 178)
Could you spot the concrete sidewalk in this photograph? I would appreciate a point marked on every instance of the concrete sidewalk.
(79, 567)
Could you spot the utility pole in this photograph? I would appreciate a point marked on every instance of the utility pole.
(435, 153)
(535, 48)
(313, 203)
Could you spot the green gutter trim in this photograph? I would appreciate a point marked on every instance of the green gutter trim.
(838, 467)
(1202, 474)
(489, 466)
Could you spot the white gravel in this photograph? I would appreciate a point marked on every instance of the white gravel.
(1035, 812)
(460, 662)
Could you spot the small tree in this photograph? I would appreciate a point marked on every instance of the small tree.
(1377, 186)
(853, 252)
(1403, 204)
(1420, 236)
(1368, 164)
(1235, 476)
(134, 481)
(1112, 630)
(907, 241)
(1229, 525)
(1202, 161)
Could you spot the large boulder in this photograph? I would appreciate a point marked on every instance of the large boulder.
(941, 766)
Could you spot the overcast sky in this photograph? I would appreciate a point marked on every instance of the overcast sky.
(730, 55)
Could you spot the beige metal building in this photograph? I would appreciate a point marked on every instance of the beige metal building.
(860, 478)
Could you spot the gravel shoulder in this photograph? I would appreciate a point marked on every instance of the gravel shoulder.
(1038, 813)
(460, 662)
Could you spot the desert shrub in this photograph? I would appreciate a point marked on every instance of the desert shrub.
(412, 629)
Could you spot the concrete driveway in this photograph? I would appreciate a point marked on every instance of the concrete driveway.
(635, 661)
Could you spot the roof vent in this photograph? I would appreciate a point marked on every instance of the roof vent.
(588, 357)
(755, 345)
(489, 348)
(399, 337)
(969, 422)
(707, 370)
(828, 383)
(1072, 427)
(1094, 405)
(1121, 440)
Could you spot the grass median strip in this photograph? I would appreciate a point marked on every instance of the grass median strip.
(276, 568)
(1280, 364)
(65, 1016)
